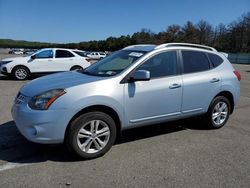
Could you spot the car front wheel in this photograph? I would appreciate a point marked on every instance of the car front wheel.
(20, 73)
(91, 135)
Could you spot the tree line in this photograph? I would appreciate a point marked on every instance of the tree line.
(234, 37)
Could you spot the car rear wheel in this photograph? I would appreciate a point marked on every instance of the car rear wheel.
(20, 73)
(218, 113)
(91, 135)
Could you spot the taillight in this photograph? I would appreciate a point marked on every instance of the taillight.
(237, 74)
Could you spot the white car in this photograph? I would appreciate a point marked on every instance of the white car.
(47, 60)
(96, 55)
(16, 51)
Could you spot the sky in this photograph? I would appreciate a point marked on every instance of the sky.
(64, 21)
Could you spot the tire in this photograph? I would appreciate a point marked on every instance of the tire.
(20, 73)
(84, 141)
(218, 112)
(75, 68)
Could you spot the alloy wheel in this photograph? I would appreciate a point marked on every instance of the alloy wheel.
(220, 113)
(21, 74)
(93, 136)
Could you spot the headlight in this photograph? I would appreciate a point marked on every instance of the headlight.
(44, 100)
(4, 62)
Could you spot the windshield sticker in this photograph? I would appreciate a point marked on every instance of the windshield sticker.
(135, 54)
(110, 72)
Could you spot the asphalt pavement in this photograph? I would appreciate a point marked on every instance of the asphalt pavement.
(177, 154)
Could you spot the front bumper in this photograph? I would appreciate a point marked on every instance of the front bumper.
(3, 70)
(46, 127)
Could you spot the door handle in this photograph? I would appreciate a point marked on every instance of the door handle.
(174, 86)
(215, 80)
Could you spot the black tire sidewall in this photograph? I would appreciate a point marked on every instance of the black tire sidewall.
(76, 68)
(215, 101)
(71, 138)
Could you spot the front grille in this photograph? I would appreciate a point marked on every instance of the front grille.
(20, 98)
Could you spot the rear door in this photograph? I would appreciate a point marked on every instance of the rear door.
(200, 82)
(64, 60)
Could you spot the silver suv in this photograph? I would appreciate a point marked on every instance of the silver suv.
(138, 85)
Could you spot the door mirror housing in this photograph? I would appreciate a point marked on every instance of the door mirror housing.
(33, 57)
(140, 75)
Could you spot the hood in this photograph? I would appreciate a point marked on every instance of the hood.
(57, 81)
(16, 58)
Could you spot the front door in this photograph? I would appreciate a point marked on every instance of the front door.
(43, 62)
(64, 60)
(159, 98)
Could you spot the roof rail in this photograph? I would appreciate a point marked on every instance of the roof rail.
(139, 45)
(185, 45)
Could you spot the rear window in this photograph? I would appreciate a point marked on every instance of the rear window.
(194, 61)
(83, 54)
(215, 59)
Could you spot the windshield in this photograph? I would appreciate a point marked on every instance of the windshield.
(114, 64)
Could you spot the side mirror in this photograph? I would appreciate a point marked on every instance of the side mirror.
(141, 75)
(33, 57)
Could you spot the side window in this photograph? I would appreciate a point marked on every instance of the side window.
(194, 61)
(45, 54)
(215, 59)
(63, 54)
(160, 65)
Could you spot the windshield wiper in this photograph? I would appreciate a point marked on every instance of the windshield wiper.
(100, 75)
(87, 72)
(90, 73)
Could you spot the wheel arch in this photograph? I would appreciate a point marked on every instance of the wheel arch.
(229, 96)
(101, 108)
(20, 65)
(71, 68)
